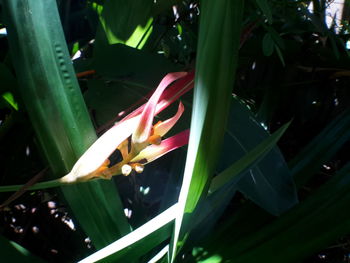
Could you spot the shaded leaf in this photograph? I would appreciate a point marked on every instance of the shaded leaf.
(270, 183)
(229, 175)
(267, 45)
(265, 8)
(321, 149)
(120, 62)
(12, 252)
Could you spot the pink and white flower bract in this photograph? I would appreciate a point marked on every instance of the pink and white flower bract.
(137, 138)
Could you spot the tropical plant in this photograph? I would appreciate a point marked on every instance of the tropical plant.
(255, 67)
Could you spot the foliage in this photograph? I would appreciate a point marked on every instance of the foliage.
(235, 196)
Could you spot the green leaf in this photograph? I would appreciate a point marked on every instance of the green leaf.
(138, 242)
(243, 134)
(230, 174)
(122, 63)
(126, 22)
(202, 221)
(267, 45)
(269, 183)
(283, 234)
(8, 97)
(280, 55)
(325, 209)
(58, 113)
(12, 252)
(7, 80)
(218, 42)
(321, 149)
(101, 97)
(274, 35)
(265, 8)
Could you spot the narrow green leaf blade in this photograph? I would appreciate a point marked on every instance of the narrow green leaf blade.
(267, 45)
(218, 43)
(269, 183)
(321, 149)
(141, 240)
(58, 113)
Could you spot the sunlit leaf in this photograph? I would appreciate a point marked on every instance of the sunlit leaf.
(58, 113)
(141, 240)
(8, 97)
(217, 45)
(129, 23)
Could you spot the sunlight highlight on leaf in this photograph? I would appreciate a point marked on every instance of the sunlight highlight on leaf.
(148, 228)
(8, 96)
(138, 38)
(218, 45)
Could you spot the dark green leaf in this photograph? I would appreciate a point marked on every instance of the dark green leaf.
(230, 174)
(321, 149)
(265, 8)
(268, 45)
(269, 183)
(119, 62)
(12, 252)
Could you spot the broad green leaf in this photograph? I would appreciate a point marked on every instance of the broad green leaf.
(138, 242)
(58, 113)
(267, 45)
(211, 208)
(229, 175)
(12, 252)
(101, 97)
(306, 220)
(279, 241)
(218, 43)
(269, 183)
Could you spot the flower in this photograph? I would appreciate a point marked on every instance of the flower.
(135, 136)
